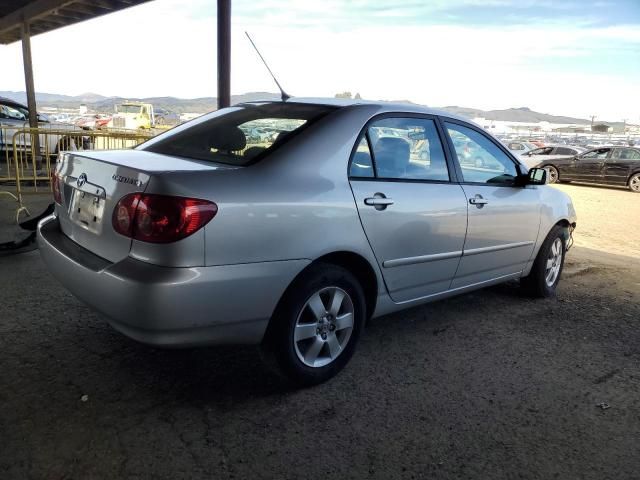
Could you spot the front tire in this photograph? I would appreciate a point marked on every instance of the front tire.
(634, 183)
(315, 328)
(552, 174)
(547, 267)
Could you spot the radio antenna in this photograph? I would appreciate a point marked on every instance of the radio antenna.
(283, 94)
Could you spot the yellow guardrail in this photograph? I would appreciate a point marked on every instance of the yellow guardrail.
(25, 171)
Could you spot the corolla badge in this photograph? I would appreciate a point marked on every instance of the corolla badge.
(131, 181)
(82, 179)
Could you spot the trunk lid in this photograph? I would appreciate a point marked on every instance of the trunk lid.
(93, 183)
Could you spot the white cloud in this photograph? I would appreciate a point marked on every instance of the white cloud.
(161, 48)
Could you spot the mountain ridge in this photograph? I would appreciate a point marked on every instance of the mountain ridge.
(104, 104)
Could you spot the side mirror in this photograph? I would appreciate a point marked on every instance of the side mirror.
(537, 176)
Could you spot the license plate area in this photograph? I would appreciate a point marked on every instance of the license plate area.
(87, 210)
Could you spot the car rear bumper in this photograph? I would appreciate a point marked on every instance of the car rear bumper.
(228, 304)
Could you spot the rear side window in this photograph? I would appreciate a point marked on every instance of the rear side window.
(625, 154)
(480, 160)
(401, 149)
(565, 151)
(240, 137)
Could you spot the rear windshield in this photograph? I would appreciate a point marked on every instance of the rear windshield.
(240, 137)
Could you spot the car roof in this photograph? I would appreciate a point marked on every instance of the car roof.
(383, 105)
(13, 102)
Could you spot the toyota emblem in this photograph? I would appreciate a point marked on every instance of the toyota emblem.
(82, 179)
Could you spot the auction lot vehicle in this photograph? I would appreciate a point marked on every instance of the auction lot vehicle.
(618, 166)
(200, 236)
(548, 155)
(132, 116)
(14, 117)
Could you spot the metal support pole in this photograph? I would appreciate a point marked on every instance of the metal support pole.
(31, 91)
(224, 53)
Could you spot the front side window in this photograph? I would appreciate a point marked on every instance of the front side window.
(407, 148)
(599, 154)
(239, 137)
(480, 160)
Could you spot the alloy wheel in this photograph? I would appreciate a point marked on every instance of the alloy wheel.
(552, 174)
(323, 327)
(634, 183)
(554, 262)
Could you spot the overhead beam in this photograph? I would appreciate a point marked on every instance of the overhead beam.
(224, 53)
(31, 12)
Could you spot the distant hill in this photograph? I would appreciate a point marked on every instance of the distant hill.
(102, 104)
(521, 114)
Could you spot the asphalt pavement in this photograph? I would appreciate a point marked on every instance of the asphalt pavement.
(488, 385)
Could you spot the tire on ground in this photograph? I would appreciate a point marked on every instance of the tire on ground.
(535, 284)
(279, 348)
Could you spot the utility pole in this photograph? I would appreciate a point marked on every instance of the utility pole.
(31, 91)
(224, 53)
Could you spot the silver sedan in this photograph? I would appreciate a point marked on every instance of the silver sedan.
(337, 212)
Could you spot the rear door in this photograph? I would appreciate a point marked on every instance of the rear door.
(414, 216)
(503, 218)
(620, 164)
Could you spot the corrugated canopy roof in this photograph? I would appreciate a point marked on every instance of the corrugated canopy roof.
(46, 15)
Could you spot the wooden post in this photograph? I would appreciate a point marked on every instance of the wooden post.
(31, 92)
(224, 53)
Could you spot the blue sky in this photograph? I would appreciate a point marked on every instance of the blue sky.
(563, 57)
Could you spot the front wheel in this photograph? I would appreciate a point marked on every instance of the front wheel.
(314, 331)
(552, 174)
(634, 183)
(547, 267)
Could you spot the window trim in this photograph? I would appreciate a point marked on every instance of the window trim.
(364, 132)
(503, 148)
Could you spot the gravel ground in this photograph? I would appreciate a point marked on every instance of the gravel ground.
(486, 385)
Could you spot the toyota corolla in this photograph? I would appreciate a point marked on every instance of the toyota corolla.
(292, 239)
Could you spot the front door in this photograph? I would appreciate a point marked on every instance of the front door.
(589, 167)
(504, 219)
(415, 219)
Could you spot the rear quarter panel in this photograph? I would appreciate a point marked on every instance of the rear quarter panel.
(294, 204)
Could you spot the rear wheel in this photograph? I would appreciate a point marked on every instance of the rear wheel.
(547, 267)
(634, 183)
(552, 174)
(315, 328)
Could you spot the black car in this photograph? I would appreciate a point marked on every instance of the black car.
(618, 166)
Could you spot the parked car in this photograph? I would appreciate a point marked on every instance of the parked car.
(618, 166)
(199, 236)
(14, 117)
(535, 158)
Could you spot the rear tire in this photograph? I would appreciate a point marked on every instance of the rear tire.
(634, 183)
(316, 326)
(547, 267)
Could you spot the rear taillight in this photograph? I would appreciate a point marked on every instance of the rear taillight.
(161, 218)
(55, 186)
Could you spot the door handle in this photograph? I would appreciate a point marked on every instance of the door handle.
(478, 201)
(379, 201)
